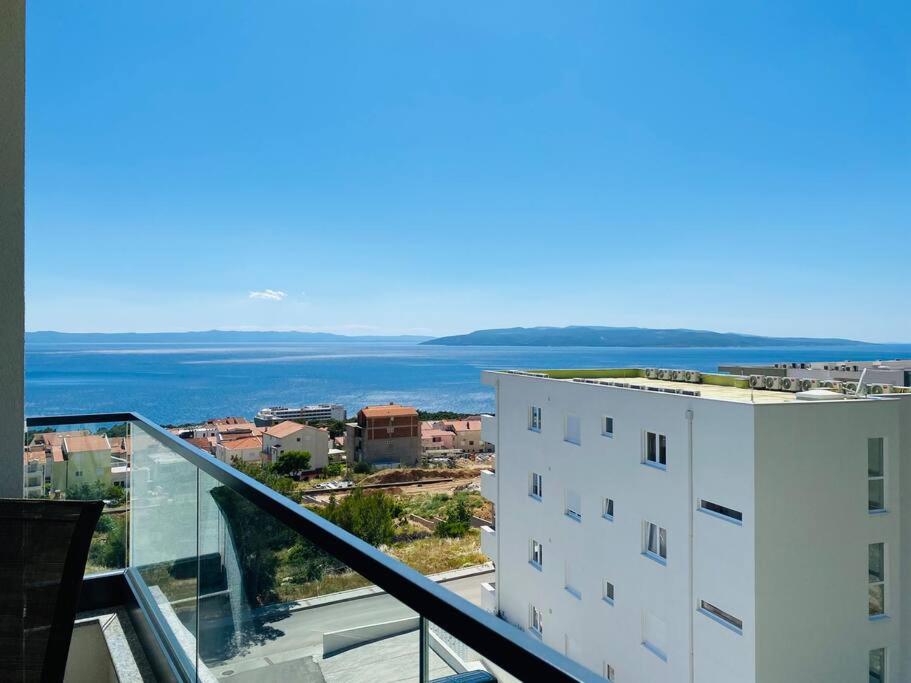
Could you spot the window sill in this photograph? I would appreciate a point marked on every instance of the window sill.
(609, 601)
(536, 565)
(654, 650)
(575, 518)
(535, 632)
(534, 497)
(727, 625)
(723, 518)
(655, 558)
(655, 465)
(884, 511)
(573, 592)
(572, 443)
(536, 430)
(609, 518)
(878, 617)
(606, 435)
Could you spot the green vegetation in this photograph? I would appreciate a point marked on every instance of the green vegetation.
(32, 433)
(334, 469)
(264, 474)
(292, 462)
(109, 548)
(363, 467)
(592, 373)
(726, 381)
(427, 415)
(442, 504)
(457, 522)
(115, 432)
(97, 490)
(369, 516)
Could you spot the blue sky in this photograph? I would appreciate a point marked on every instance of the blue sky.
(437, 167)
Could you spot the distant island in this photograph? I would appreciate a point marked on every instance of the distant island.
(210, 336)
(626, 337)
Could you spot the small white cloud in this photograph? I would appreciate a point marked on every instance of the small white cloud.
(268, 294)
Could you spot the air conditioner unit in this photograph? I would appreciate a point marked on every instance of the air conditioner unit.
(850, 387)
(757, 381)
(879, 389)
(807, 384)
(665, 374)
(895, 389)
(790, 384)
(773, 383)
(651, 373)
(693, 376)
(679, 375)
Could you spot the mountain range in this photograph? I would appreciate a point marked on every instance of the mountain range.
(578, 335)
(205, 337)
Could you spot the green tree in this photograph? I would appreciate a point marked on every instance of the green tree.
(336, 428)
(265, 475)
(369, 516)
(96, 490)
(363, 467)
(457, 521)
(116, 431)
(110, 551)
(292, 462)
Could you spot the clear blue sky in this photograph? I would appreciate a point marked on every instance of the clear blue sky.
(438, 167)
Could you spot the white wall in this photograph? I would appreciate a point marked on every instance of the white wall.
(12, 290)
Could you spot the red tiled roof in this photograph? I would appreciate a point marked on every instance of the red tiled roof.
(241, 444)
(82, 444)
(283, 429)
(391, 410)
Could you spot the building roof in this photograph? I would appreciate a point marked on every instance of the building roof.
(429, 433)
(230, 421)
(56, 438)
(283, 429)
(391, 410)
(243, 444)
(199, 442)
(85, 444)
(463, 425)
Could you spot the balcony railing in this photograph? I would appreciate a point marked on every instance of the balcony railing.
(229, 576)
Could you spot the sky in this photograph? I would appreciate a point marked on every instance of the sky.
(438, 167)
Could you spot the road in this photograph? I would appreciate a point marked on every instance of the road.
(299, 634)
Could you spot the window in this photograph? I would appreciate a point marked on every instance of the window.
(535, 485)
(573, 505)
(607, 429)
(654, 635)
(655, 541)
(717, 614)
(535, 620)
(878, 665)
(877, 579)
(608, 672)
(655, 449)
(78, 473)
(569, 582)
(876, 476)
(607, 508)
(536, 554)
(572, 430)
(721, 511)
(534, 419)
(608, 592)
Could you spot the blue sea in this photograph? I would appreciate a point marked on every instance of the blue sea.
(176, 383)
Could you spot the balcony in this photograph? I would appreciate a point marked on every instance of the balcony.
(220, 577)
(489, 542)
(489, 485)
(489, 429)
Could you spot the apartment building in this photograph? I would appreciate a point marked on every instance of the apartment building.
(322, 412)
(658, 530)
(384, 435)
(291, 436)
(467, 434)
(247, 449)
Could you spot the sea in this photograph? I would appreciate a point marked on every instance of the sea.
(177, 383)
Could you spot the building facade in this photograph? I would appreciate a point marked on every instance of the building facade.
(323, 412)
(669, 531)
(290, 436)
(384, 435)
(892, 372)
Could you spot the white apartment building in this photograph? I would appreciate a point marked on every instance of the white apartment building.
(322, 412)
(714, 534)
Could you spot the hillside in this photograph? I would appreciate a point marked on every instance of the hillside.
(625, 337)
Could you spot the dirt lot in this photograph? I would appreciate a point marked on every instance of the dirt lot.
(410, 479)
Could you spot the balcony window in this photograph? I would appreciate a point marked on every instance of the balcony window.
(721, 616)
(655, 541)
(535, 485)
(536, 553)
(607, 509)
(535, 620)
(607, 427)
(876, 475)
(573, 508)
(534, 419)
(608, 592)
(878, 665)
(655, 449)
(726, 513)
(877, 579)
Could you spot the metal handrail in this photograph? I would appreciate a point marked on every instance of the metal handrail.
(502, 643)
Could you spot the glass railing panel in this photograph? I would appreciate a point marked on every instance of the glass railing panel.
(164, 534)
(85, 462)
(274, 605)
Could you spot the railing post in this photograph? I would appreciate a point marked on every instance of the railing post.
(424, 644)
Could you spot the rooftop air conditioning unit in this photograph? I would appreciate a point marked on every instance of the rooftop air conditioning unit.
(664, 374)
(895, 389)
(879, 389)
(651, 373)
(789, 384)
(850, 387)
(757, 381)
(693, 376)
(679, 375)
(808, 384)
(773, 383)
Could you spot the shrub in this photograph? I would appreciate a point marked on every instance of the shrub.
(457, 522)
(292, 462)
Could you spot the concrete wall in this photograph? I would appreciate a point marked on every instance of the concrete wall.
(310, 439)
(813, 531)
(12, 237)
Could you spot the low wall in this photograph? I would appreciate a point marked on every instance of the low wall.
(339, 641)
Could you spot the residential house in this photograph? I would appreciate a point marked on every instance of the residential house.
(291, 436)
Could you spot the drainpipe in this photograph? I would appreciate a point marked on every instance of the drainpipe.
(692, 512)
